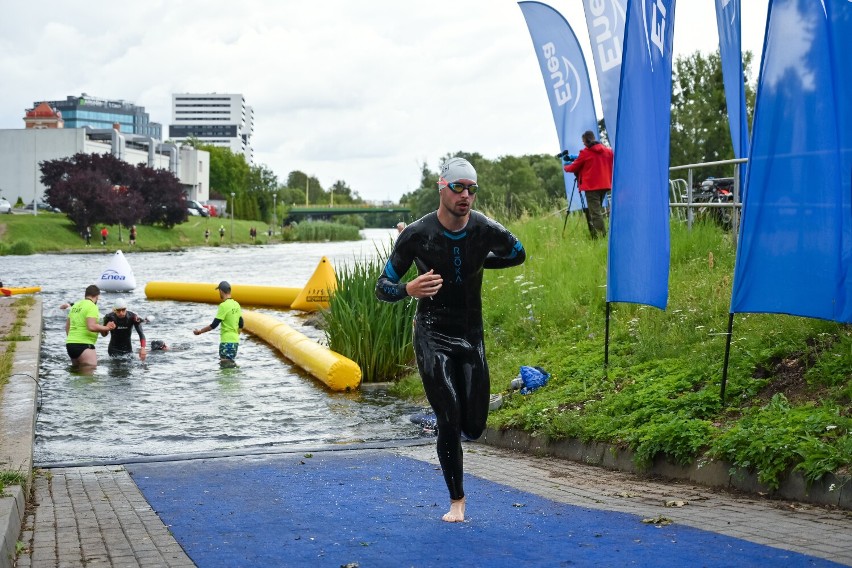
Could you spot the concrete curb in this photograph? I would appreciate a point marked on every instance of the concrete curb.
(18, 410)
(830, 490)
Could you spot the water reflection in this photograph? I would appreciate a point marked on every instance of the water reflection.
(181, 401)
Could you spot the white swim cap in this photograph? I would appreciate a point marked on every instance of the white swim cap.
(456, 169)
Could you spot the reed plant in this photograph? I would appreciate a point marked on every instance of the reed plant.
(318, 231)
(376, 335)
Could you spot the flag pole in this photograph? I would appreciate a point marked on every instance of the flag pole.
(606, 339)
(727, 355)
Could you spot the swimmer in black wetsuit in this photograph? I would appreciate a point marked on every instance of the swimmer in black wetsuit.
(450, 248)
(125, 321)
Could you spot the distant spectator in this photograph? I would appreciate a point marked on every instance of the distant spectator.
(206, 236)
(87, 234)
(221, 233)
(133, 235)
(104, 235)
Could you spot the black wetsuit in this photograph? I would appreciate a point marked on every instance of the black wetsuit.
(448, 337)
(119, 338)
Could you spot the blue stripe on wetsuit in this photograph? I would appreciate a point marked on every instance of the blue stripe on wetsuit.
(458, 237)
(391, 272)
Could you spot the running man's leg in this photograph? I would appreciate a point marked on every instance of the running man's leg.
(435, 370)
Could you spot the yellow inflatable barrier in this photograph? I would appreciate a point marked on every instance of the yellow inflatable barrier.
(10, 291)
(336, 371)
(313, 297)
(245, 294)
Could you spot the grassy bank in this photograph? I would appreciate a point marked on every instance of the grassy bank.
(9, 336)
(53, 232)
(788, 389)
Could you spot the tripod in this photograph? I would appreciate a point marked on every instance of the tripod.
(582, 203)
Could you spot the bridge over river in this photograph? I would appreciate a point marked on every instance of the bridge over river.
(302, 212)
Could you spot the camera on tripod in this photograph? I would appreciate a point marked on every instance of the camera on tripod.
(566, 156)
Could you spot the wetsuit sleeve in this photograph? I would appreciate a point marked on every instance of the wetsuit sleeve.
(389, 287)
(106, 320)
(137, 323)
(506, 250)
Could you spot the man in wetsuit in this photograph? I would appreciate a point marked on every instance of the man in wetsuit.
(450, 248)
(125, 321)
(230, 317)
(82, 328)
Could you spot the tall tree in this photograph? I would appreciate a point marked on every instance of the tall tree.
(100, 188)
(699, 129)
(229, 172)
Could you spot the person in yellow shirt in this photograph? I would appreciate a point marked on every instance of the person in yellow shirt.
(82, 329)
(230, 317)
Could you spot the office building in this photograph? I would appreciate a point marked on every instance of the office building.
(217, 119)
(82, 111)
(23, 150)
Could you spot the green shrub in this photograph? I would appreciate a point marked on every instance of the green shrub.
(21, 248)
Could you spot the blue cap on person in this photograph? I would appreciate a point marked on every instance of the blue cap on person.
(224, 286)
(456, 169)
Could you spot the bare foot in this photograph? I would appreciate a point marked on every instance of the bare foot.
(456, 512)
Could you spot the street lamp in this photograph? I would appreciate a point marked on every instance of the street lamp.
(274, 213)
(232, 216)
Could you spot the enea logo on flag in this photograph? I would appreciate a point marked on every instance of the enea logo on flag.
(606, 27)
(562, 78)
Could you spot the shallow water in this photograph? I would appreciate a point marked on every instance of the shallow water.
(182, 401)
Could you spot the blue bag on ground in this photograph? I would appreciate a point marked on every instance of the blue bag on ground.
(533, 377)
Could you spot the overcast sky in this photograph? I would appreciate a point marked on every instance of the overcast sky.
(360, 91)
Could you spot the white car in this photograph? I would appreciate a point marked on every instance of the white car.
(5, 206)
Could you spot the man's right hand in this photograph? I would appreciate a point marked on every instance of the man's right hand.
(425, 286)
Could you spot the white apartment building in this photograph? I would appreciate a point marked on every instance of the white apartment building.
(22, 150)
(217, 119)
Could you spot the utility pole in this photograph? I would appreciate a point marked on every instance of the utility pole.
(307, 184)
(232, 217)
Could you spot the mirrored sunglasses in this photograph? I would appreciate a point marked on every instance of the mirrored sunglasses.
(458, 187)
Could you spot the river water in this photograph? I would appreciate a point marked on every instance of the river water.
(181, 402)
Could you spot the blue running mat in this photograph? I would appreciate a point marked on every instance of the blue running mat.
(376, 509)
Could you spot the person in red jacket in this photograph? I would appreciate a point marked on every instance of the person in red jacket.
(593, 168)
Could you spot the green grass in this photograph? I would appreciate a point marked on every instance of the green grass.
(660, 394)
(53, 232)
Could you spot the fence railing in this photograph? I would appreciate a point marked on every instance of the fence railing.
(681, 194)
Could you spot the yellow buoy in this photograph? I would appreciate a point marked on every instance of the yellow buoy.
(336, 371)
(29, 290)
(314, 296)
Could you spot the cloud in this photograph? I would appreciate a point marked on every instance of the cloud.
(363, 92)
